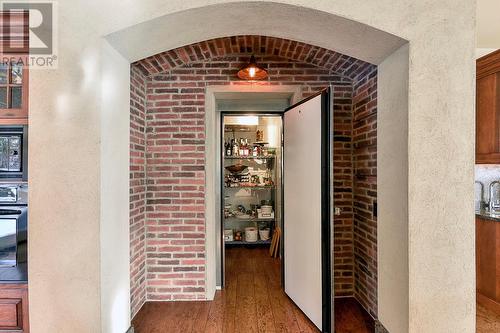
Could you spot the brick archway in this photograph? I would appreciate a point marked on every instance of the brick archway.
(259, 45)
(167, 158)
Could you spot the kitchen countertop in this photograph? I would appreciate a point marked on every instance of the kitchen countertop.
(487, 216)
(17, 274)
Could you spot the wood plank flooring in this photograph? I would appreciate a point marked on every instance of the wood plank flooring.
(252, 301)
(350, 317)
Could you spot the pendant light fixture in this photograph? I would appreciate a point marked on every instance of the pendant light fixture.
(252, 71)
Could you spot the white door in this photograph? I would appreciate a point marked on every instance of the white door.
(306, 195)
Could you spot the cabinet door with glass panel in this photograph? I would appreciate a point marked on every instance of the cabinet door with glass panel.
(13, 91)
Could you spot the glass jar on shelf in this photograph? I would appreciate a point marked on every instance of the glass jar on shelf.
(236, 148)
(255, 151)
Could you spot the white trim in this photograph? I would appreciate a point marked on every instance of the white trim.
(212, 161)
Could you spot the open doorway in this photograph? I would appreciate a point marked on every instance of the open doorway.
(275, 198)
(252, 185)
(184, 136)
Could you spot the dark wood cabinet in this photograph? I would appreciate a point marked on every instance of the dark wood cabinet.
(14, 308)
(14, 60)
(488, 263)
(488, 109)
(14, 91)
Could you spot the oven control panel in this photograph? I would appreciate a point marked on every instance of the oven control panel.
(8, 194)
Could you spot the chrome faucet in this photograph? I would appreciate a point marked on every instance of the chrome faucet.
(491, 204)
(481, 199)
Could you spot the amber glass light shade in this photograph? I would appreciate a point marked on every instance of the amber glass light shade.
(252, 71)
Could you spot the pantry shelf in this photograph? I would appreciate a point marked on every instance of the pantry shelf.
(259, 242)
(249, 157)
(235, 219)
(252, 187)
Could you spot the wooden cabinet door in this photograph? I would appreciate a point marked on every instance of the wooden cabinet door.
(14, 90)
(14, 308)
(14, 61)
(488, 109)
(486, 257)
(488, 263)
(488, 117)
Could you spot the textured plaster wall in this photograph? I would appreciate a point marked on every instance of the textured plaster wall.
(65, 120)
(392, 182)
(488, 25)
(441, 150)
(481, 52)
(64, 197)
(115, 276)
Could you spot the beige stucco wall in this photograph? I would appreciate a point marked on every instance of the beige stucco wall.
(481, 52)
(488, 25)
(441, 127)
(115, 157)
(66, 165)
(392, 191)
(64, 194)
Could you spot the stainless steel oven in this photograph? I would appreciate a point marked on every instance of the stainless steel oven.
(14, 152)
(13, 226)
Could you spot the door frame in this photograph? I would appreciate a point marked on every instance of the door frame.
(220, 141)
(326, 206)
(212, 163)
(212, 174)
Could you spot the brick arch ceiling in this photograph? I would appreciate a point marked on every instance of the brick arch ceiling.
(338, 63)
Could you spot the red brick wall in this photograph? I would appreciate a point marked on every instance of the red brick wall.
(365, 189)
(343, 196)
(175, 244)
(175, 159)
(137, 189)
(175, 149)
(259, 45)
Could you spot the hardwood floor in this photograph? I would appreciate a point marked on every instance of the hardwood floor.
(350, 317)
(252, 301)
